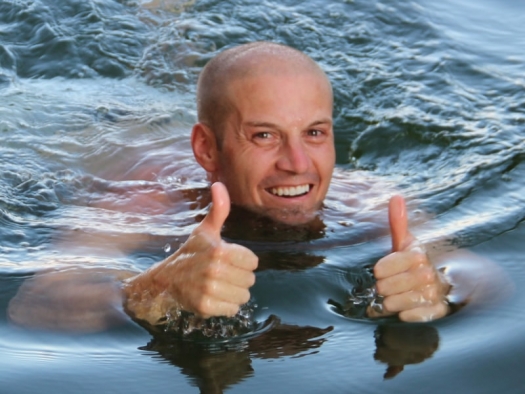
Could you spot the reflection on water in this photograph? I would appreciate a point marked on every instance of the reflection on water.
(401, 345)
(214, 367)
(96, 104)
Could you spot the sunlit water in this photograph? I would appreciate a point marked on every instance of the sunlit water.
(96, 104)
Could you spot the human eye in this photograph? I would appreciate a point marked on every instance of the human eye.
(314, 133)
(264, 138)
(261, 135)
(318, 135)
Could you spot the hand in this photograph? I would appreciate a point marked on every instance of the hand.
(409, 283)
(206, 276)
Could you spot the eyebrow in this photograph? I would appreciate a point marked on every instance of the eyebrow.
(274, 126)
(322, 121)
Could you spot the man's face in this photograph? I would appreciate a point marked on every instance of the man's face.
(278, 153)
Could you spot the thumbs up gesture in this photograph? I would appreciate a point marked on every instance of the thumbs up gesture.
(409, 283)
(206, 276)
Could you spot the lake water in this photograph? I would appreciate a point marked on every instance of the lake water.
(96, 105)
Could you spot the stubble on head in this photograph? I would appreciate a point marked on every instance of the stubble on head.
(215, 103)
(234, 75)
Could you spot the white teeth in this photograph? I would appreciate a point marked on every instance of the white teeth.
(291, 191)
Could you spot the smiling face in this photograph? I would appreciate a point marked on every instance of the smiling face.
(277, 152)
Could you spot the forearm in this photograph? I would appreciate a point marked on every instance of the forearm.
(144, 299)
(85, 300)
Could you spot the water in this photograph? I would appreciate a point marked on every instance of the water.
(96, 103)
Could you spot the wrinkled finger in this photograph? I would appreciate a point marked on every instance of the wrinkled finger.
(425, 314)
(398, 262)
(417, 279)
(224, 271)
(398, 284)
(406, 301)
(240, 257)
(209, 306)
(238, 277)
(225, 291)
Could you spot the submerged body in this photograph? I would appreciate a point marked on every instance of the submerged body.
(265, 138)
(429, 103)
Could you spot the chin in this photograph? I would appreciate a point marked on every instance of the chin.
(290, 217)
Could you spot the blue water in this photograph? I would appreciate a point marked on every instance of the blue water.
(96, 105)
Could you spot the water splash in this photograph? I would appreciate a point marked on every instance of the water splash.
(190, 326)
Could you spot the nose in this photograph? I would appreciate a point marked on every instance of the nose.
(294, 158)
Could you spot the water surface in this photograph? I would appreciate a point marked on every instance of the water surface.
(96, 105)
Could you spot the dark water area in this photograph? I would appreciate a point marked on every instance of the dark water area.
(96, 170)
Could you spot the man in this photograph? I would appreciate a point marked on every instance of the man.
(265, 137)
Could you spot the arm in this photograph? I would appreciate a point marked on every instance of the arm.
(71, 299)
(206, 276)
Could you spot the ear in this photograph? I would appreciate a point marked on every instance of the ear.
(204, 145)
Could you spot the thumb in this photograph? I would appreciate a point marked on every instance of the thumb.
(219, 211)
(397, 216)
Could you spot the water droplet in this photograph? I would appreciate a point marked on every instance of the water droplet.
(167, 248)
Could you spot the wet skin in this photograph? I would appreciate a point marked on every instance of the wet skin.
(276, 158)
(278, 150)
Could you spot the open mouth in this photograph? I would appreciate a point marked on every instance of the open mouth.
(290, 191)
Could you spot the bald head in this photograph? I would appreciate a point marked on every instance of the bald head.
(214, 101)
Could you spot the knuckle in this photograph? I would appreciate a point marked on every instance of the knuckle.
(208, 287)
(212, 270)
(203, 306)
(216, 252)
